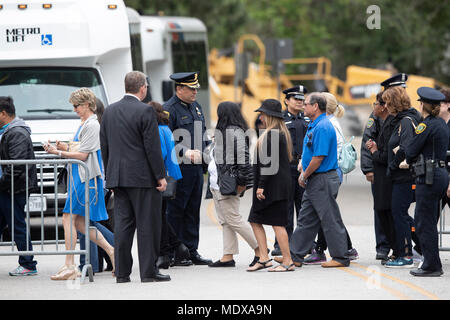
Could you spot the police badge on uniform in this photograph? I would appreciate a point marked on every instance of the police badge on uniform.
(421, 128)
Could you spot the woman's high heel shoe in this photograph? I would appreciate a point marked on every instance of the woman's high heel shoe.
(66, 273)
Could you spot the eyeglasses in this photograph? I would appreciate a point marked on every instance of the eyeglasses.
(377, 104)
(76, 105)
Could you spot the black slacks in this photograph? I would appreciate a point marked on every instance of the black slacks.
(137, 209)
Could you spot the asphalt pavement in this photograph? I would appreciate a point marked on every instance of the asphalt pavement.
(365, 279)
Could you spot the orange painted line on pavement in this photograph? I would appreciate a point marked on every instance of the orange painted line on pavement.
(402, 282)
(380, 285)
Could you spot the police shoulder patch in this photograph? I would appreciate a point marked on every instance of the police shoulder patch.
(370, 123)
(421, 128)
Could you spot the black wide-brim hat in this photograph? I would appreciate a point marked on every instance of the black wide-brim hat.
(271, 107)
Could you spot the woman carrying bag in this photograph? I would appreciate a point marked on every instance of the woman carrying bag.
(230, 175)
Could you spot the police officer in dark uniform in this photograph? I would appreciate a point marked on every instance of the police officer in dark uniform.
(427, 153)
(372, 132)
(297, 125)
(187, 122)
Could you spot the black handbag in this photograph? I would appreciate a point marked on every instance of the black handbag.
(62, 181)
(227, 184)
(171, 190)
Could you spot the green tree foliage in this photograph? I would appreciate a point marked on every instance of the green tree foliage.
(414, 35)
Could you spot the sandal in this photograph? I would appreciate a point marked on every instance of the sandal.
(66, 273)
(283, 268)
(260, 265)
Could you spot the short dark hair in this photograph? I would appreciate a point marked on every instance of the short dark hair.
(320, 100)
(446, 93)
(7, 105)
(134, 80)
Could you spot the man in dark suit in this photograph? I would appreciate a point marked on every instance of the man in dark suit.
(134, 168)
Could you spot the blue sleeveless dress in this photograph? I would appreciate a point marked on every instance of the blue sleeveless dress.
(97, 209)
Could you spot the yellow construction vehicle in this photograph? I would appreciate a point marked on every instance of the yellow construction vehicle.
(359, 88)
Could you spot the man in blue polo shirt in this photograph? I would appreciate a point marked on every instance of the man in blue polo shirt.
(321, 182)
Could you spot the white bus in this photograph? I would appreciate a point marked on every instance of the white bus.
(174, 44)
(48, 49)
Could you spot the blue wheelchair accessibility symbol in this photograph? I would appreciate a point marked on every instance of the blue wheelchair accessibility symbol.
(46, 40)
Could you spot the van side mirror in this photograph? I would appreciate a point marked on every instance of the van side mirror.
(167, 90)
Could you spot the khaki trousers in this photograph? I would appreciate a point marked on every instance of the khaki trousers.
(227, 209)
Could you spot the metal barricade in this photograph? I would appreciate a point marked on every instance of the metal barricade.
(442, 228)
(41, 164)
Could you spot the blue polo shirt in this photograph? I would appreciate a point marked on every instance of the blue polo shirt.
(320, 140)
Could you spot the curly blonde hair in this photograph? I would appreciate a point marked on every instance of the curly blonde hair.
(83, 95)
(396, 99)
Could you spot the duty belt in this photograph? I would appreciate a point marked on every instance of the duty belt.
(439, 164)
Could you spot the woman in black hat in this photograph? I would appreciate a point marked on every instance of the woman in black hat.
(271, 183)
(429, 144)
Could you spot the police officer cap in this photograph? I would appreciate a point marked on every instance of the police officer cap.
(189, 79)
(430, 95)
(271, 107)
(298, 92)
(398, 80)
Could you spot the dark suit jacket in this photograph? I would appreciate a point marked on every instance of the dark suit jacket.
(131, 150)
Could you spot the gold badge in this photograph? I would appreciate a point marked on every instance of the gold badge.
(370, 123)
(421, 128)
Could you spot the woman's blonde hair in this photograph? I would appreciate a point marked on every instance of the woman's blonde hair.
(83, 95)
(333, 107)
(396, 99)
(275, 123)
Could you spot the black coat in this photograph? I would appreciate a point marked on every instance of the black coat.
(235, 160)
(402, 136)
(16, 144)
(131, 149)
(382, 185)
(372, 131)
(277, 185)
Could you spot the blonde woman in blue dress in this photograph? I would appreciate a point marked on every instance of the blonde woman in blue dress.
(85, 147)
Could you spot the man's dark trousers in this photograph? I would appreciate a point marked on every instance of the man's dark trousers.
(137, 209)
(183, 212)
(319, 208)
(20, 226)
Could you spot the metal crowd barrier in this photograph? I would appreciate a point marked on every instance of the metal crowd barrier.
(46, 162)
(442, 228)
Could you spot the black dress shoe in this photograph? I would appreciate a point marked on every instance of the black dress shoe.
(382, 256)
(219, 264)
(197, 259)
(424, 273)
(158, 278)
(182, 252)
(276, 252)
(181, 263)
(122, 279)
(163, 262)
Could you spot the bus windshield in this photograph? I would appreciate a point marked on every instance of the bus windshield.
(43, 93)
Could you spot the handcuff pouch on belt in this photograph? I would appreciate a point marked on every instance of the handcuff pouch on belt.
(425, 168)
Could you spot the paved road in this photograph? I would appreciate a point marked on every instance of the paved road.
(364, 279)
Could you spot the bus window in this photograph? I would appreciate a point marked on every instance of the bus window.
(189, 54)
